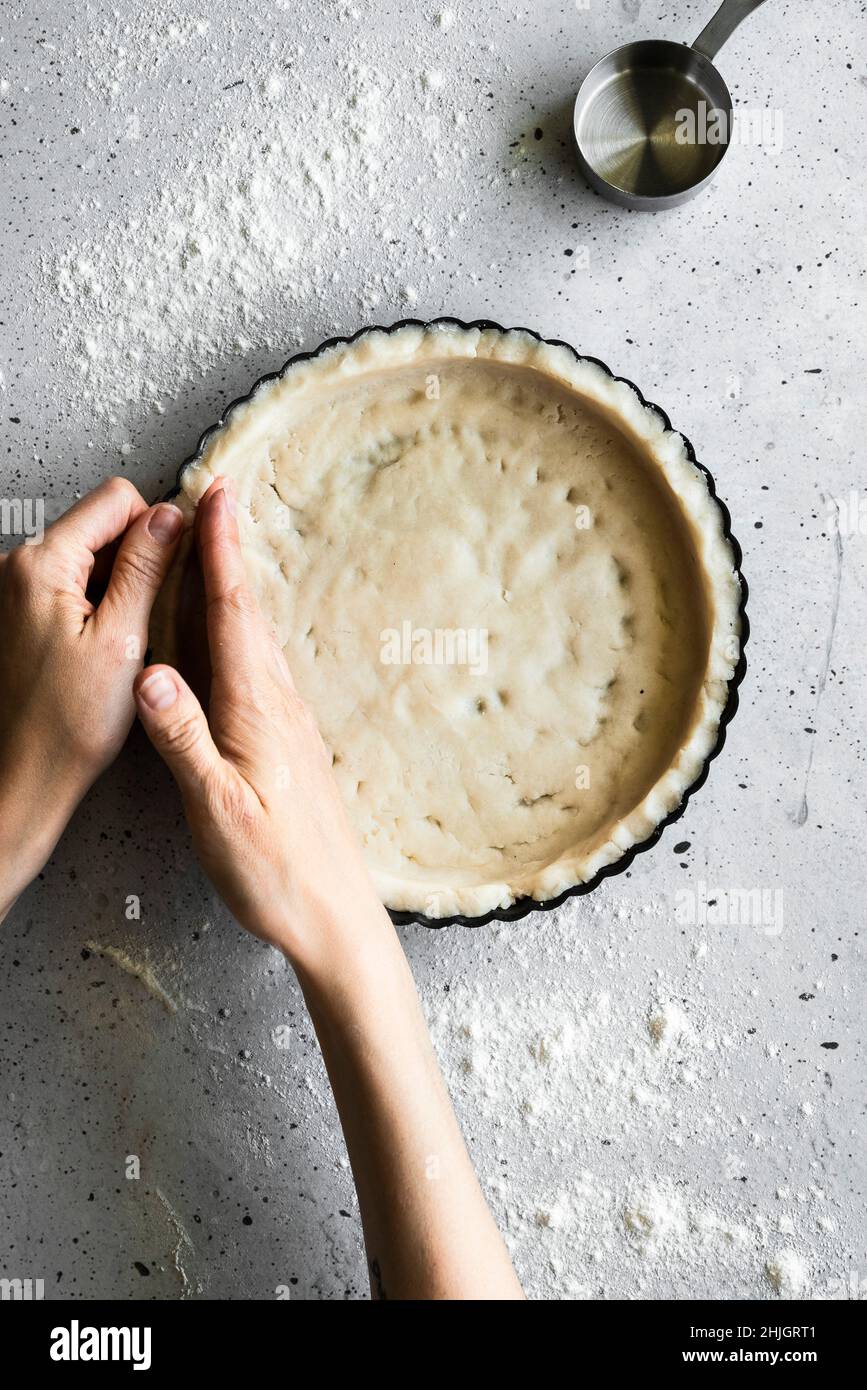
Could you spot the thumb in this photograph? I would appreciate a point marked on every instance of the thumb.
(176, 725)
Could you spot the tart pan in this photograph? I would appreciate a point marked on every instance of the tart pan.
(522, 907)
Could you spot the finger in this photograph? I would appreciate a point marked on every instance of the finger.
(98, 518)
(176, 725)
(218, 539)
(141, 564)
(236, 628)
(263, 638)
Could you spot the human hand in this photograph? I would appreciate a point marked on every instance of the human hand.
(271, 831)
(67, 664)
(266, 815)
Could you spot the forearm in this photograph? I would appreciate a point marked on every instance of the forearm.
(36, 802)
(427, 1228)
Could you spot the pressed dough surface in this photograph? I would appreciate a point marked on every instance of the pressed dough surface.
(459, 513)
(443, 496)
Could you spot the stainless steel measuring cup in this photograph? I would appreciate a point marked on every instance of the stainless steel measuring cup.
(653, 119)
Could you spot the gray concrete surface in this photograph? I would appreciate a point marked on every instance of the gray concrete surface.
(617, 1165)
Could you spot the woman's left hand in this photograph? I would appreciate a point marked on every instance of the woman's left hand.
(68, 662)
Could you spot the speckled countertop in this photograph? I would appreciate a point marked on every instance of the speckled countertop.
(657, 1107)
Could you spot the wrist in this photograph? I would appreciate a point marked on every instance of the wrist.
(346, 952)
(37, 799)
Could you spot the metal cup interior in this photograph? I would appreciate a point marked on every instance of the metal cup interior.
(652, 122)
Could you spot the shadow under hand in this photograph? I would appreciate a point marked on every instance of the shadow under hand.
(179, 632)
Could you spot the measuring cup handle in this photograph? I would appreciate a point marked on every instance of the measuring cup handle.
(722, 26)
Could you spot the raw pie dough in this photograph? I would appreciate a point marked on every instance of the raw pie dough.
(407, 488)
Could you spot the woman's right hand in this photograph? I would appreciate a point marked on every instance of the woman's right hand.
(266, 815)
(273, 835)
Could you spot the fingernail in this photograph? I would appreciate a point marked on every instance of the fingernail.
(165, 522)
(158, 691)
(231, 499)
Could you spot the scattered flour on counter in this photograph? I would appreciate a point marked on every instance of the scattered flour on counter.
(667, 1023)
(137, 46)
(183, 1244)
(788, 1273)
(140, 970)
(553, 1216)
(302, 199)
(613, 1159)
(652, 1216)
